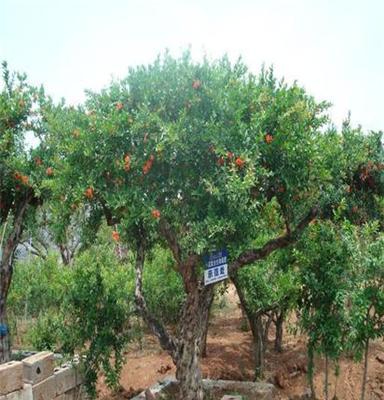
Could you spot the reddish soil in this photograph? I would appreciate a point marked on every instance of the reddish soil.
(230, 357)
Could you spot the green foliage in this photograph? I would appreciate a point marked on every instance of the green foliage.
(191, 141)
(269, 285)
(325, 259)
(47, 331)
(367, 299)
(88, 308)
(163, 287)
(85, 309)
(21, 171)
(98, 307)
(38, 285)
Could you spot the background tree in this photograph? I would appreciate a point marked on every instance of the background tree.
(367, 299)
(325, 259)
(267, 293)
(20, 176)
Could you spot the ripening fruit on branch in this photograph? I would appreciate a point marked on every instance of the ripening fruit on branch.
(49, 171)
(115, 236)
(196, 84)
(127, 162)
(119, 106)
(220, 161)
(268, 138)
(240, 162)
(155, 213)
(24, 179)
(38, 161)
(89, 193)
(281, 189)
(148, 164)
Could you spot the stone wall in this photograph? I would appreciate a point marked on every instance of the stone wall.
(36, 378)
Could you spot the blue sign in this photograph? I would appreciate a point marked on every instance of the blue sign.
(3, 330)
(216, 266)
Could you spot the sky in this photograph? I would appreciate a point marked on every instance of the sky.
(335, 49)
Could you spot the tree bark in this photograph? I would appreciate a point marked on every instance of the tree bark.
(290, 237)
(5, 343)
(256, 325)
(185, 350)
(259, 348)
(267, 325)
(311, 371)
(279, 323)
(326, 377)
(366, 352)
(195, 313)
(206, 317)
(6, 270)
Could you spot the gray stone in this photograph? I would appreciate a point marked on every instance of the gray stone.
(45, 390)
(65, 380)
(11, 377)
(18, 395)
(38, 367)
(253, 390)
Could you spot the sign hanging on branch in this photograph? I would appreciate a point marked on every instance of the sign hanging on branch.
(216, 266)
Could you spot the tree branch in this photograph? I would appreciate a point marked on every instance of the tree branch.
(14, 237)
(250, 256)
(168, 234)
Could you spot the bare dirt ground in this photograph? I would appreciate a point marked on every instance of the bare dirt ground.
(230, 357)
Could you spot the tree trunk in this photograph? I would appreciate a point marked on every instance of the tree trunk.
(362, 397)
(258, 332)
(258, 345)
(8, 249)
(267, 325)
(185, 350)
(6, 270)
(195, 313)
(326, 377)
(5, 343)
(203, 350)
(279, 331)
(311, 371)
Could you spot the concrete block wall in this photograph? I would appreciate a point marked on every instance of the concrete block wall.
(36, 378)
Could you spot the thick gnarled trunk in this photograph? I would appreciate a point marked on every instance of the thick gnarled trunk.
(192, 331)
(185, 349)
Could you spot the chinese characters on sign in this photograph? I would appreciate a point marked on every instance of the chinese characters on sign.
(216, 266)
